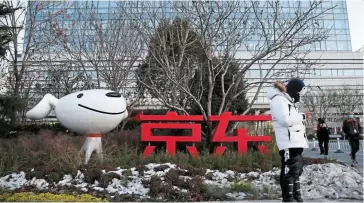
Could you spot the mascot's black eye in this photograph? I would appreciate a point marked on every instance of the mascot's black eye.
(79, 95)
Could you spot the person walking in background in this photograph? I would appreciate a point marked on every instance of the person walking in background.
(290, 134)
(323, 136)
(352, 128)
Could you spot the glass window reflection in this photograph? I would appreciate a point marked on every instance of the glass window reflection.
(331, 45)
(103, 4)
(358, 72)
(342, 45)
(326, 73)
(340, 24)
(349, 72)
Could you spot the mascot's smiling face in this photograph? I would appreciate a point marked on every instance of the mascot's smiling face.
(91, 111)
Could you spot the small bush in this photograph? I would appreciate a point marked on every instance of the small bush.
(215, 193)
(242, 186)
(155, 186)
(172, 177)
(161, 168)
(47, 197)
(197, 189)
(92, 174)
(107, 178)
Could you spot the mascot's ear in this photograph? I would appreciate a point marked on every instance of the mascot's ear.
(43, 108)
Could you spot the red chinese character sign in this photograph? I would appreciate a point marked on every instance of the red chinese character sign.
(242, 137)
(219, 135)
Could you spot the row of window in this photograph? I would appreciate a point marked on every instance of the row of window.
(342, 45)
(341, 4)
(330, 15)
(315, 73)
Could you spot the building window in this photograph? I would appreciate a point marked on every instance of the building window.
(342, 45)
(358, 72)
(340, 24)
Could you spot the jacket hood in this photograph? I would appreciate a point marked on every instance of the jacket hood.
(274, 91)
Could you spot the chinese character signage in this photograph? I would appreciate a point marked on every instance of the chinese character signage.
(169, 121)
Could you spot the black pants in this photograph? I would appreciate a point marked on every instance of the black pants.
(354, 143)
(291, 170)
(324, 146)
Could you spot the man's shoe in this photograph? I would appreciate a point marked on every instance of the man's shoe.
(288, 200)
(298, 199)
(297, 191)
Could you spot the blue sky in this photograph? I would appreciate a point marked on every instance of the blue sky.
(356, 21)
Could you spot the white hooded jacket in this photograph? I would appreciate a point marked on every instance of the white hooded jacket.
(288, 124)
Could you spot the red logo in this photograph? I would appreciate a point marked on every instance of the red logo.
(219, 134)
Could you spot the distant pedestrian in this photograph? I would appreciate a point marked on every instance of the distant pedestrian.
(323, 136)
(352, 128)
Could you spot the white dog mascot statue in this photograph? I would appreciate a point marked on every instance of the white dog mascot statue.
(89, 112)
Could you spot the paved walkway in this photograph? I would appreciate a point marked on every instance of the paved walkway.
(342, 157)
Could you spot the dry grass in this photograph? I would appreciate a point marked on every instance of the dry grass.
(57, 154)
(49, 152)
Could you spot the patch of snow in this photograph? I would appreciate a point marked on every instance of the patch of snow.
(150, 172)
(99, 189)
(13, 181)
(40, 184)
(79, 177)
(96, 183)
(253, 174)
(220, 179)
(332, 181)
(17, 180)
(319, 181)
(236, 195)
(119, 172)
(184, 191)
(83, 186)
(67, 180)
(135, 187)
(179, 189)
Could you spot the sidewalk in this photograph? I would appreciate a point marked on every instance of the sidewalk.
(342, 157)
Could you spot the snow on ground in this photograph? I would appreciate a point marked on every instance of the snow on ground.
(332, 181)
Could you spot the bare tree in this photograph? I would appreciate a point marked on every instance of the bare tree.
(21, 56)
(320, 103)
(258, 35)
(63, 79)
(349, 100)
(105, 48)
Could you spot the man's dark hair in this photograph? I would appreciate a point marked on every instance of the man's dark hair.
(321, 120)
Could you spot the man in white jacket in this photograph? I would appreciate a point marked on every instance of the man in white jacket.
(290, 135)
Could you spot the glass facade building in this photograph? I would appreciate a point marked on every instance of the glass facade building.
(337, 64)
(335, 19)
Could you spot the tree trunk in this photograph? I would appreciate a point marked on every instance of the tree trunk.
(15, 95)
(209, 135)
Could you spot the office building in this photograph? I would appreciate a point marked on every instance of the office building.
(336, 64)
